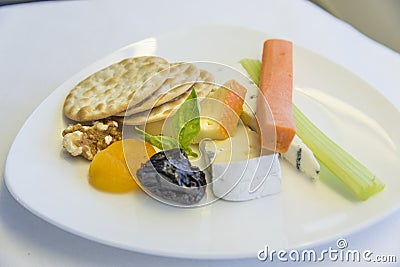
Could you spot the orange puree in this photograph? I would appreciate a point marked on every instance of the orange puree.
(109, 171)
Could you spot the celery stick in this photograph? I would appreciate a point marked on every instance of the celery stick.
(346, 168)
(253, 68)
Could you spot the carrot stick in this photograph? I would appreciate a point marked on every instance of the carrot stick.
(276, 123)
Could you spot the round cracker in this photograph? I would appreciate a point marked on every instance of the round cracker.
(205, 84)
(203, 87)
(110, 90)
(181, 77)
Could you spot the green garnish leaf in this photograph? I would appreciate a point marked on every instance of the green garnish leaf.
(185, 127)
(189, 151)
(186, 122)
(160, 141)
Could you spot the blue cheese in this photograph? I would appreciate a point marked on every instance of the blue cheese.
(301, 157)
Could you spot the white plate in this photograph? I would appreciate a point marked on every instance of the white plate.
(53, 186)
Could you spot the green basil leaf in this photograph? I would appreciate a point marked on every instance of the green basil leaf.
(160, 141)
(185, 127)
(186, 121)
(190, 152)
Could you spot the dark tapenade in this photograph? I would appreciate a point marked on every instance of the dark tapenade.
(170, 176)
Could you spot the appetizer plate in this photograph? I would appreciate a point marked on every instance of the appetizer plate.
(54, 186)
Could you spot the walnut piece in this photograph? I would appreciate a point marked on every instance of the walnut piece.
(88, 140)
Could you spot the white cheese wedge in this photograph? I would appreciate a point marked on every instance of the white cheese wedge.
(238, 171)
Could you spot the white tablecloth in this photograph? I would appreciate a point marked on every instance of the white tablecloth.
(43, 44)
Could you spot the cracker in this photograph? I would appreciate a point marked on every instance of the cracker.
(110, 90)
(181, 77)
(203, 87)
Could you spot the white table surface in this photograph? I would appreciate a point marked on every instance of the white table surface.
(43, 44)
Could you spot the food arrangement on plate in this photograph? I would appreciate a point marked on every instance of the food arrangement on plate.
(305, 212)
(170, 130)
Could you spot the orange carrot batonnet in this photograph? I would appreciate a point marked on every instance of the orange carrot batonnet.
(274, 104)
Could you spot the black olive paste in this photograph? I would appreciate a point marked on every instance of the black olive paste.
(170, 176)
